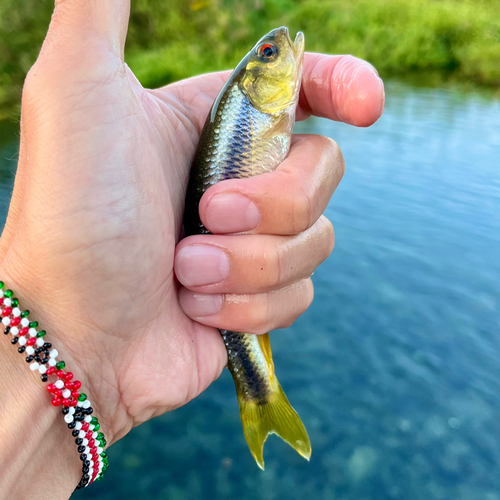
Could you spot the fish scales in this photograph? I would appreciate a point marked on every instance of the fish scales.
(248, 133)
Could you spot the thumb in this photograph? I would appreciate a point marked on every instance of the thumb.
(86, 26)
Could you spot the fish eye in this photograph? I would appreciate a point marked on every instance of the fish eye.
(267, 51)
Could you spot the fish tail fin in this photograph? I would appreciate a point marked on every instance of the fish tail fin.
(275, 415)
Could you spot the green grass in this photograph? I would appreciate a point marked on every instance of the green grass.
(457, 40)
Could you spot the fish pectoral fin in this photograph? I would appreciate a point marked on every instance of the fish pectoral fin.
(276, 416)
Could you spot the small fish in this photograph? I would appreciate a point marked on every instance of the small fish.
(248, 132)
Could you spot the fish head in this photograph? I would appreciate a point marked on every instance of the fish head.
(271, 72)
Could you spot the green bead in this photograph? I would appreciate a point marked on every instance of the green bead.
(15, 302)
(97, 426)
(41, 334)
(100, 436)
(82, 396)
(104, 454)
(9, 293)
(2, 284)
(60, 366)
(93, 421)
(105, 461)
(33, 324)
(25, 314)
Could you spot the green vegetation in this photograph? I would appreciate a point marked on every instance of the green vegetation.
(173, 39)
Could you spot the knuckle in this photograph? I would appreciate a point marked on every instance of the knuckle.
(327, 235)
(334, 153)
(302, 212)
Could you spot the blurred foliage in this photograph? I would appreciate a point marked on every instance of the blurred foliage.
(169, 40)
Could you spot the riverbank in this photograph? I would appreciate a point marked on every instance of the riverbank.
(449, 40)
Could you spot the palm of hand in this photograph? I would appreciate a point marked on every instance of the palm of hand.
(119, 186)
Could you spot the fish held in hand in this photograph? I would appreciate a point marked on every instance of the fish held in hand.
(248, 132)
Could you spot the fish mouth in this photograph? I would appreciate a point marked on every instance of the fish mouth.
(297, 45)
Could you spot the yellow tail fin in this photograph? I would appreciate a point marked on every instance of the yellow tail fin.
(276, 416)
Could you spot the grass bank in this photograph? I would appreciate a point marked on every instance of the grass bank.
(455, 39)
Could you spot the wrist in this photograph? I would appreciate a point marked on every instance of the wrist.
(37, 452)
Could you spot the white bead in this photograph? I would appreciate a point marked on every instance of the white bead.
(99, 450)
(16, 312)
(81, 434)
(68, 418)
(34, 366)
(91, 464)
(87, 450)
(71, 410)
(1, 294)
(66, 393)
(94, 435)
(85, 442)
(86, 404)
(39, 342)
(78, 426)
(53, 353)
(59, 384)
(79, 403)
(91, 427)
(7, 302)
(32, 332)
(6, 321)
(42, 369)
(52, 362)
(14, 330)
(25, 322)
(88, 418)
(22, 341)
(30, 350)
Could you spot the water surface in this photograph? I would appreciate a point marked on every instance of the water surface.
(395, 368)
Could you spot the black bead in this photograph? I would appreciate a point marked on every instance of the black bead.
(47, 345)
(21, 349)
(78, 441)
(75, 433)
(65, 410)
(29, 359)
(38, 358)
(83, 457)
(79, 418)
(44, 377)
(86, 477)
(81, 448)
(72, 425)
(38, 351)
(15, 340)
(44, 360)
(46, 352)
(7, 330)
(85, 469)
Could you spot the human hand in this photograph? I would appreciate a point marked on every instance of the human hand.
(90, 241)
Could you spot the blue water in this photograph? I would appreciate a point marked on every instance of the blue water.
(395, 368)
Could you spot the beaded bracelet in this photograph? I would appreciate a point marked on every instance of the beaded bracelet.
(76, 408)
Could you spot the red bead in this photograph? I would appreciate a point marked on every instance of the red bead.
(7, 311)
(93, 450)
(60, 373)
(15, 321)
(69, 385)
(77, 384)
(1, 301)
(51, 388)
(56, 401)
(88, 436)
(73, 402)
(23, 331)
(69, 376)
(31, 341)
(91, 442)
(65, 402)
(95, 458)
(85, 427)
(58, 393)
(50, 370)
(75, 394)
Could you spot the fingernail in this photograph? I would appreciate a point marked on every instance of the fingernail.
(197, 305)
(232, 213)
(197, 265)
